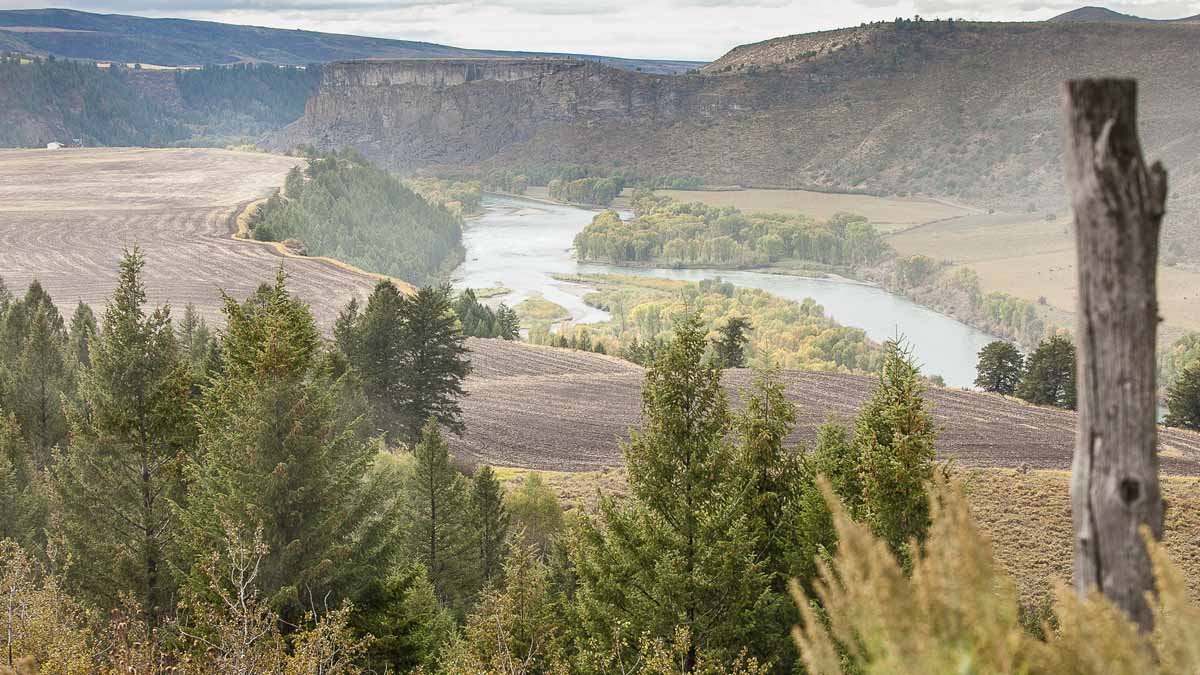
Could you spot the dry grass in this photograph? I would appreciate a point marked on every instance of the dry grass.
(66, 216)
(1026, 256)
(887, 213)
(1027, 515)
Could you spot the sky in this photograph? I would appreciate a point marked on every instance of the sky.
(675, 29)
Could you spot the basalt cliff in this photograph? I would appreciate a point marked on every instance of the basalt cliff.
(967, 111)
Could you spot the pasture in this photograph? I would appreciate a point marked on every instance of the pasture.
(67, 215)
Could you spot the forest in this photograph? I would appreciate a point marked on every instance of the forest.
(343, 207)
(257, 499)
(667, 232)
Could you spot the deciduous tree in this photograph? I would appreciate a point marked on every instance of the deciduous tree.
(999, 368)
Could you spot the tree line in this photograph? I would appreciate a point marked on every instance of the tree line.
(666, 232)
(344, 207)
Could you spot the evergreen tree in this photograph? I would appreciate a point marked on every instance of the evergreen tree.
(434, 362)
(83, 332)
(278, 452)
(23, 506)
(38, 381)
(410, 625)
(1183, 399)
(509, 323)
(437, 519)
(999, 369)
(375, 344)
(837, 460)
(730, 345)
(491, 520)
(1049, 377)
(679, 553)
(894, 438)
(196, 342)
(129, 436)
(345, 330)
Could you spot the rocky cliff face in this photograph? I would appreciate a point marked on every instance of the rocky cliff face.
(413, 113)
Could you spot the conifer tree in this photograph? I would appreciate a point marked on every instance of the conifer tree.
(83, 332)
(509, 323)
(435, 363)
(894, 438)
(133, 427)
(730, 346)
(276, 452)
(680, 552)
(1183, 399)
(491, 521)
(410, 625)
(1049, 377)
(23, 507)
(999, 369)
(38, 381)
(437, 519)
(377, 354)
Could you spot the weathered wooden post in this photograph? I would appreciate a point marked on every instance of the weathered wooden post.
(1119, 205)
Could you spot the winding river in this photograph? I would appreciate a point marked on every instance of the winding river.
(521, 243)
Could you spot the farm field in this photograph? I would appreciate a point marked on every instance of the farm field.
(888, 213)
(66, 216)
(1029, 257)
(561, 410)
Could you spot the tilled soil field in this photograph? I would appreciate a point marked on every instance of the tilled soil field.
(573, 417)
(67, 215)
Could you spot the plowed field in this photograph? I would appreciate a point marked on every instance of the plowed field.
(66, 216)
(552, 409)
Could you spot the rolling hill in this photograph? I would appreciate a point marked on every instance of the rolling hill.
(183, 42)
(1105, 14)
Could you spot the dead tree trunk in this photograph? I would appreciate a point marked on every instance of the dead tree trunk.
(1119, 205)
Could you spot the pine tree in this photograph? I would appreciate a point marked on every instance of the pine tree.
(437, 519)
(409, 623)
(1183, 399)
(679, 553)
(129, 436)
(276, 451)
(373, 342)
(1049, 377)
(730, 346)
(509, 323)
(1000, 364)
(894, 438)
(83, 333)
(491, 520)
(435, 363)
(23, 506)
(38, 381)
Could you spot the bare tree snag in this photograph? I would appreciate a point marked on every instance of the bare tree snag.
(1119, 205)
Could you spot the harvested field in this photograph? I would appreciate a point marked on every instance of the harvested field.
(67, 215)
(572, 415)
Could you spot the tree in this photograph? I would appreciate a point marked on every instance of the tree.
(38, 381)
(679, 553)
(277, 451)
(435, 363)
(437, 519)
(129, 437)
(23, 504)
(509, 323)
(491, 520)
(536, 512)
(730, 346)
(409, 623)
(999, 369)
(1049, 377)
(83, 332)
(894, 437)
(374, 344)
(1183, 399)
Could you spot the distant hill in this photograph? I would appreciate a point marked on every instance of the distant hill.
(1105, 14)
(183, 42)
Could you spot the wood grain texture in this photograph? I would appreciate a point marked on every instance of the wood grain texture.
(1119, 206)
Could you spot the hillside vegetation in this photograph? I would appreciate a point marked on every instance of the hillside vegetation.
(343, 207)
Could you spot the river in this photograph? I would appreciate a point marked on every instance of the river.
(522, 243)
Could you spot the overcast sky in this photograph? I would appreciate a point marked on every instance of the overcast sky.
(680, 29)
